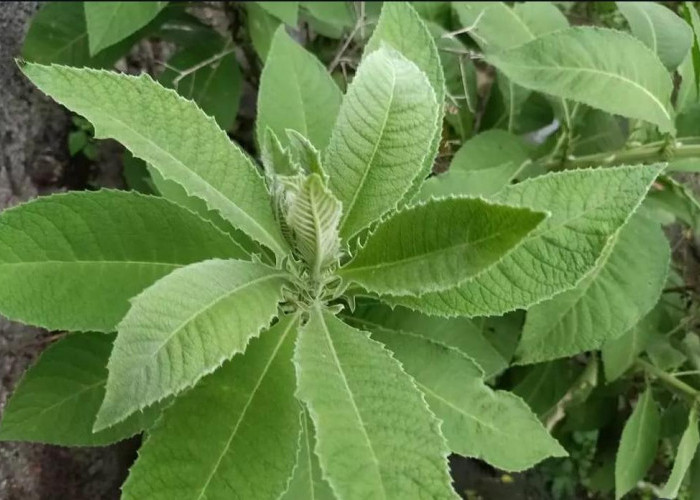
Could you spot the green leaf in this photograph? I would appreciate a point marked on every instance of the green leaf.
(183, 327)
(691, 16)
(383, 133)
(686, 450)
(605, 69)
(638, 444)
(57, 399)
(624, 287)
(540, 17)
(261, 28)
(171, 134)
(495, 426)
(400, 27)
(233, 436)
(338, 14)
(287, 12)
(587, 207)
(215, 87)
(620, 354)
(544, 385)
(296, 92)
(72, 261)
(437, 245)
(483, 166)
(307, 481)
(666, 34)
(111, 22)
(367, 412)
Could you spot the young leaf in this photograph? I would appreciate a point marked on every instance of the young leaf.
(483, 165)
(495, 426)
(623, 288)
(686, 451)
(367, 412)
(185, 326)
(307, 481)
(296, 92)
(437, 245)
(57, 399)
(233, 436)
(587, 207)
(619, 354)
(605, 69)
(666, 34)
(400, 27)
(287, 12)
(111, 22)
(383, 132)
(72, 261)
(638, 444)
(171, 134)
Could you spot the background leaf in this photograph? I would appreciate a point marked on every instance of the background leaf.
(287, 12)
(619, 354)
(686, 451)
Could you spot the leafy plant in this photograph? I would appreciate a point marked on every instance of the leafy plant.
(339, 322)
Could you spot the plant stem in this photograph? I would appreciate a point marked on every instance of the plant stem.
(668, 379)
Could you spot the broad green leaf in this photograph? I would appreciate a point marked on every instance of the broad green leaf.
(605, 69)
(587, 207)
(401, 28)
(687, 91)
(666, 34)
(171, 134)
(72, 261)
(495, 426)
(307, 481)
(57, 399)
(234, 435)
(215, 87)
(261, 28)
(367, 412)
(287, 12)
(482, 166)
(437, 245)
(111, 22)
(638, 444)
(623, 288)
(183, 327)
(383, 133)
(686, 450)
(296, 92)
(338, 14)
(620, 354)
(540, 17)
(691, 16)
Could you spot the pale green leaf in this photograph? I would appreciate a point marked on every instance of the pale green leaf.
(540, 17)
(623, 288)
(383, 133)
(587, 207)
(620, 354)
(495, 426)
(287, 11)
(400, 27)
(307, 482)
(638, 444)
(185, 326)
(233, 436)
(57, 399)
(687, 91)
(72, 261)
(483, 165)
(606, 69)
(666, 34)
(111, 22)
(337, 14)
(296, 92)
(171, 134)
(438, 244)
(691, 16)
(367, 412)
(686, 450)
(261, 28)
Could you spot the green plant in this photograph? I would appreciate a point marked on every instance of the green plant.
(335, 326)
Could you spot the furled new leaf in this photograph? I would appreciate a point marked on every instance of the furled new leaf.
(171, 134)
(623, 288)
(185, 326)
(587, 207)
(686, 451)
(72, 261)
(111, 22)
(606, 69)
(638, 444)
(296, 92)
(438, 244)
(234, 435)
(366, 412)
(383, 132)
(57, 400)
